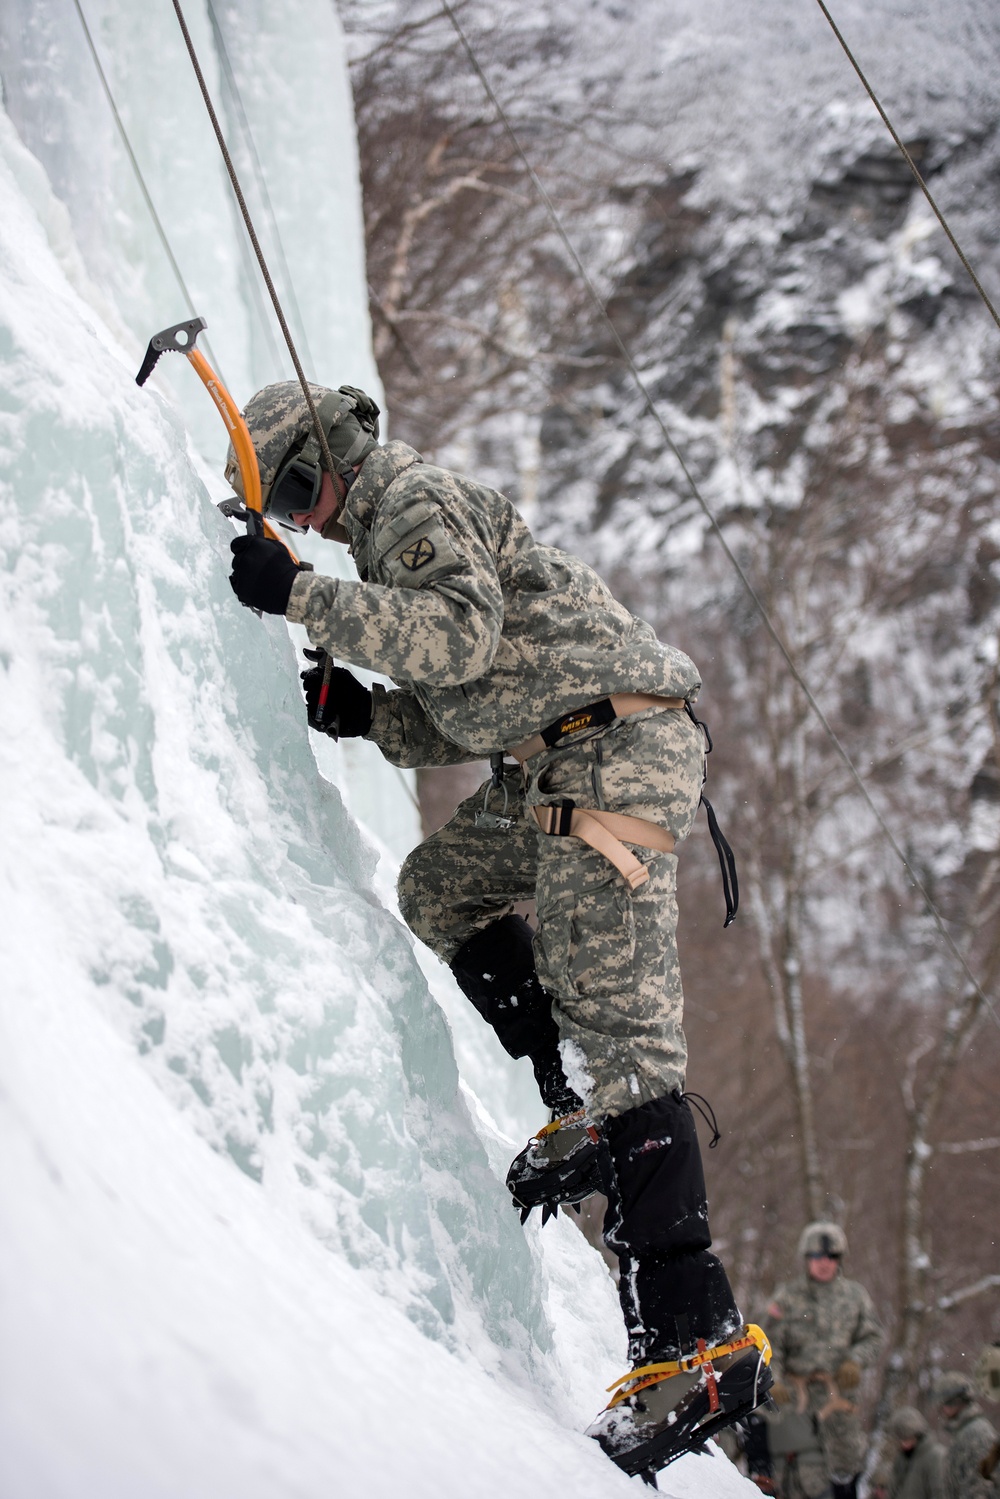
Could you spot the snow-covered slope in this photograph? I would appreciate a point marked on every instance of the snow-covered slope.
(253, 1239)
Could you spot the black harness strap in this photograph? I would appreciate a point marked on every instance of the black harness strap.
(727, 859)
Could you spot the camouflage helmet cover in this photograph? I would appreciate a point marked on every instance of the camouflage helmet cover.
(279, 422)
(953, 1388)
(823, 1238)
(906, 1422)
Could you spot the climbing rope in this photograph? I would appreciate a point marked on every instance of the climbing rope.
(229, 75)
(161, 232)
(758, 603)
(910, 163)
(251, 231)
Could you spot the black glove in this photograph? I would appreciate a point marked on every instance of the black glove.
(348, 711)
(263, 573)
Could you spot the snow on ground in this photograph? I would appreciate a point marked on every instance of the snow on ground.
(169, 1331)
(252, 1236)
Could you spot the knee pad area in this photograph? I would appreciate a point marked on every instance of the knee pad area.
(495, 969)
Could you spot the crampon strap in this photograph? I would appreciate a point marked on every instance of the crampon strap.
(650, 1374)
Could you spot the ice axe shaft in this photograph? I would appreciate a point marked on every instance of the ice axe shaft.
(324, 691)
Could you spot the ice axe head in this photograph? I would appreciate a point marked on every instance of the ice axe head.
(179, 339)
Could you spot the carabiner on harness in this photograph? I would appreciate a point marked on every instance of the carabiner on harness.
(495, 822)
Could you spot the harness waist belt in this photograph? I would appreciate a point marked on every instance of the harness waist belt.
(608, 832)
(593, 716)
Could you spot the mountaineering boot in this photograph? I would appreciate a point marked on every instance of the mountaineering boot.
(662, 1410)
(560, 1164)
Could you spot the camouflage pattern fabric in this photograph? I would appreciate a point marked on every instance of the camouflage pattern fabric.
(279, 420)
(490, 635)
(972, 1437)
(797, 1456)
(814, 1328)
(606, 954)
(918, 1474)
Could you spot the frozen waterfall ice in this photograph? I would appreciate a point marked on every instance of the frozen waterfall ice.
(254, 1241)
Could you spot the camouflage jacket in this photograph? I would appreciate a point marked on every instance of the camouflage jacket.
(972, 1437)
(918, 1474)
(490, 635)
(815, 1327)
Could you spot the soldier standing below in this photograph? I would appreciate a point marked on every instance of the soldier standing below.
(502, 646)
(918, 1467)
(972, 1438)
(824, 1331)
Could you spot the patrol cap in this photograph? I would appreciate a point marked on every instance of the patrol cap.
(823, 1238)
(906, 1422)
(953, 1388)
(280, 425)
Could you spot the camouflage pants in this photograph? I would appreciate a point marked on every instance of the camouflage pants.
(807, 1452)
(606, 954)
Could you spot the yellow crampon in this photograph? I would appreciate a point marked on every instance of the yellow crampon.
(651, 1374)
(566, 1121)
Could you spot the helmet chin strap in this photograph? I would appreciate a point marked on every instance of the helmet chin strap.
(333, 530)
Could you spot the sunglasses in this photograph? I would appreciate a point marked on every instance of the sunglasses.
(295, 491)
(822, 1254)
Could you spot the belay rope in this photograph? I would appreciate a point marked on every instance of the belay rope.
(244, 210)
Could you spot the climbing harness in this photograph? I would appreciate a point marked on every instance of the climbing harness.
(608, 832)
(593, 716)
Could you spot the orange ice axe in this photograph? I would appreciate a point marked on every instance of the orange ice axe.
(181, 339)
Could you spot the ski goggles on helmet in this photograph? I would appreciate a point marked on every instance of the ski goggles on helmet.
(295, 491)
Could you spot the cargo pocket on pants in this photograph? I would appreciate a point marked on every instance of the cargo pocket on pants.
(586, 939)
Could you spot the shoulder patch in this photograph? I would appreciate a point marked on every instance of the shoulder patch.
(418, 554)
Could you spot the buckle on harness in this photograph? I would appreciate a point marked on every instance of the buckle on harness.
(558, 818)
